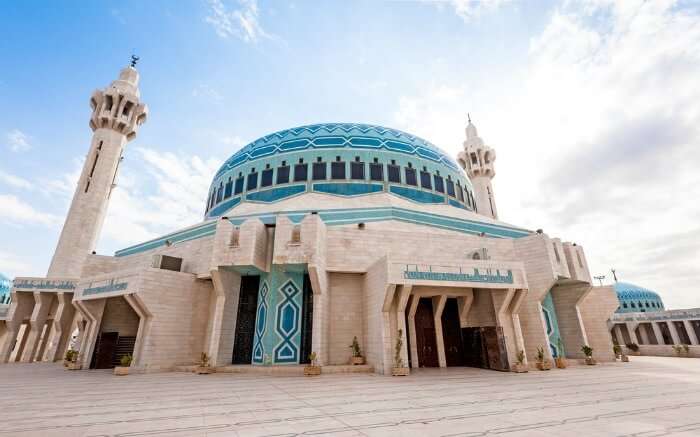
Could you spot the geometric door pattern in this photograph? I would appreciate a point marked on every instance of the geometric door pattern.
(549, 315)
(278, 317)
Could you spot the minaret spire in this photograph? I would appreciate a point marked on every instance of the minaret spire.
(117, 113)
(477, 160)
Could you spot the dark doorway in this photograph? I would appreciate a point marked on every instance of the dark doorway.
(425, 334)
(105, 347)
(245, 321)
(307, 321)
(474, 353)
(124, 346)
(452, 334)
(496, 351)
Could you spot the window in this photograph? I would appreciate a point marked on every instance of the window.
(220, 192)
(301, 171)
(376, 171)
(450, 187)
(425, 179)
(252, 180)
(460, 197)
(393, 171)
(357, 169)
(410, 176)
(338, 169)
(211, 199)
(318, 171)
(578, 256)
(633, 305)
(266, 178)
(474, 160)
(556, 253)
(229, 189)
(439, 185)
(238, 188)
(624, 304)
(646, 304)
(283, 173)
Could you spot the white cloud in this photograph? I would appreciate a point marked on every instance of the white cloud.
(242, 22)
(597, 138)
(205, 91)
(18, 141)
(14, 181)
(13, 266)
(14, 211)
(166, 194)
(469, 10)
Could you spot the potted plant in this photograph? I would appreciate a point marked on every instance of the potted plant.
(313, 368)
(357, 357)
(588, 352)
(519, 366)
(560, 361)
(400, 368)
(125, 362)
(72, 361)
(686, 349)
(542, 362)
(203, 368)
(617, 350)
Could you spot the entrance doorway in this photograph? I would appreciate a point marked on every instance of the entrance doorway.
(307, 316)
(245, 321)
(485, 347)
(452, 334)
(105, 348)
(425, 334)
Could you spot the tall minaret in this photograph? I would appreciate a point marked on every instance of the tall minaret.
(117, 112)
(477, 159)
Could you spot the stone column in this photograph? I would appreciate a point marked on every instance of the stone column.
(402, 297)
(36, 325)
(644, 338)
(674, 332)
(618, 334)
(412, 331)
(691, 332)
(657, 333)
(145, 318)
(631, 326)
(222, 316)
(62, 322)
(21, 307)
(438, 307)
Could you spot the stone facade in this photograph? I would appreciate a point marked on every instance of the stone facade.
(402, 248)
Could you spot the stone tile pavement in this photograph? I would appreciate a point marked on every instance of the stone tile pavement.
(648, 397)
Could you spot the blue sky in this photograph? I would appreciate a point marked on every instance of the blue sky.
(590, 104)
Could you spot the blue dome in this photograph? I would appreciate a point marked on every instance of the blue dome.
(267, 169)
(5, 286)
(635, 299)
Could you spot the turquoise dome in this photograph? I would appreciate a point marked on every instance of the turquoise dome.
(635, 299)
(341, 159)
(5, 286)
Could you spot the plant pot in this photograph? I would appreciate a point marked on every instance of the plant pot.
(400, 371)
(74, 366)
(520, 368)
(356, 361)
(590, 361)
(544, 365)
(121, 371)
(312, 370)
(203, 370)
(625, 359)
(560, 362)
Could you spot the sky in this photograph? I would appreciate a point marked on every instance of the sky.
(591, 106)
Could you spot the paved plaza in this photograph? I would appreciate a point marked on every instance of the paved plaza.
(650, 396)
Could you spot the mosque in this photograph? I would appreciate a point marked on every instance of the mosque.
(311, 236)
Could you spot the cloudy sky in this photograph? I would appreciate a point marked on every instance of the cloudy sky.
(592, 107)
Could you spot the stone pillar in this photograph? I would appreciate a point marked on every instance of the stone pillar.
(62, 322)
(674, 332)
(412, 331)
(401, 303)
(618, 334)
(691, 332)
(222, 316)
(92, 311)
(438, 307)
(144, 329)
(517, 330)
(631, 326)
(643, 337)
(21, 307)
(657, 333)
(566, 300)
(36, 325)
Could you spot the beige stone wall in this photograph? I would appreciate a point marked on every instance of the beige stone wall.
(378, 344)
(119, 317)
(346, 314)
(481, 312)
(596, 309)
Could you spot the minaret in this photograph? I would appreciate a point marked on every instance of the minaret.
(117, 112)
(477, 159)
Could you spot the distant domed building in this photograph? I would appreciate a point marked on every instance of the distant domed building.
(5, 287)
(311, 236)
(636, 299)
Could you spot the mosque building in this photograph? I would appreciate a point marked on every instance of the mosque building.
(5, 286)
(311, 236)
